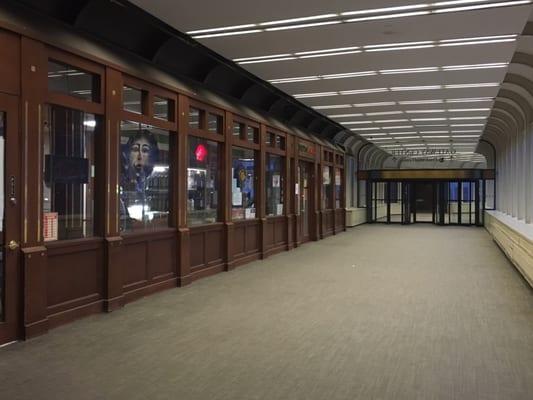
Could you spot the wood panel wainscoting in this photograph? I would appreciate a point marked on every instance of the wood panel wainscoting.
(328, 223)
(275, 235)
(74, 279)
(246, 241)
(148, 263)
(206, 250)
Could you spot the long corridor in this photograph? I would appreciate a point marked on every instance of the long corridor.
(378, 312)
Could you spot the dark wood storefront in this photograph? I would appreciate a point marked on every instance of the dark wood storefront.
(92, 224)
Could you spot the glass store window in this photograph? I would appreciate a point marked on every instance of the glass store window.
(144, 177)
(163, 108)
(275, 184)
(203, 181)
(327, 187)
(132, 99)
(69, 80)
(214, 123)
(195, 118)
(69, 173)
(242, 184)
(338, 187)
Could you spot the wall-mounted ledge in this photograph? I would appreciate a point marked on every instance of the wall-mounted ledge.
(355, 216)
(515, 238)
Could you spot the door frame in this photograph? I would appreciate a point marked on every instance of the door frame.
(10, 326)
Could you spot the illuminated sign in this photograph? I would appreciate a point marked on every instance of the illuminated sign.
(306, 149)
(200, 153)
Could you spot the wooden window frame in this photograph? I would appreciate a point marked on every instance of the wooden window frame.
(147, 115)
(61, 99)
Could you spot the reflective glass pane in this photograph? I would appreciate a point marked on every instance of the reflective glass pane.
(69, 173)
(238, 130)
(194, 118)
(338, 187)
(275, 185)
(203, 181)
(242, 183)
(327, 187)
(163, 108)
(132, 100)
(144, 177)
(252, 134)
(69, 80)
(214, 123)
(2, 214)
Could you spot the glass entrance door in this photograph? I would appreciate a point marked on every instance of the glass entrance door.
(9, 219)
(304, 199)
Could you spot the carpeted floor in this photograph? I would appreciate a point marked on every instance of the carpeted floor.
(378, 312)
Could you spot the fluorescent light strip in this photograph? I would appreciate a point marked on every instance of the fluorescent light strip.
(378, 104)
(344, 115)
(388, 16)
(400, 89)
(334, 18)
(332, 106)
(482, 6)
(300, 19)
(386, 47)
(265, 61)
(320, 94)
(340, 53)
(363, 91)
(383, 113)
(226, 28)
(227, 34)
(284, 28)
(336, 50)
(465, 125)
(388, 121)
(380, 10)
(263, 57)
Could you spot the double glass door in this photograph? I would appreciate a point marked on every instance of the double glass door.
(10, 274)
(438, 202)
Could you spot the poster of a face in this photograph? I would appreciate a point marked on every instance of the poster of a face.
(139, 155)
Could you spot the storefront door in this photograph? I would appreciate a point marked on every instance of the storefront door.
(304, 178)
(9, 220)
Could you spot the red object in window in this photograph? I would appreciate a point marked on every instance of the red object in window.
(200, 152)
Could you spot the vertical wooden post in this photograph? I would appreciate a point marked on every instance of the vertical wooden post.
(113, 293)
(183, 256)
(261, 192)
(33, 89)
(228, 223)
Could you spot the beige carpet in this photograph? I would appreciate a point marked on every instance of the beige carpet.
(378, 312)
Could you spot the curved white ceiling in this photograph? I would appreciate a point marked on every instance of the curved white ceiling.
(400, 80)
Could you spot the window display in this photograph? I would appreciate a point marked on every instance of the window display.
(144, 177)
(69, 173)
(242, 184)
(202, 182)
(275, 184)
(327, 188)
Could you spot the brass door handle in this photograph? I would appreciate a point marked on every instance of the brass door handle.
(13, 245)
